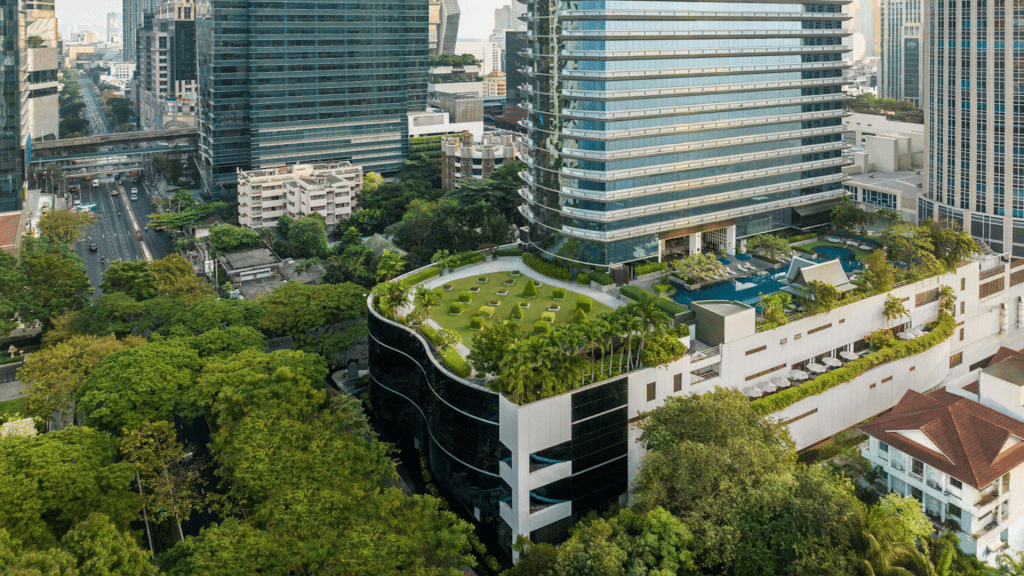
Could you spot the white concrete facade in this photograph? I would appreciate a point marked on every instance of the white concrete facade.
(266, 194)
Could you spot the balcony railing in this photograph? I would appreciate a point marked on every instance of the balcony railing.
(986, 498)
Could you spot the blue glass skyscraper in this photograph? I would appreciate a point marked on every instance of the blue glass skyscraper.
(291, 81)
(11, 162)
(664, 128)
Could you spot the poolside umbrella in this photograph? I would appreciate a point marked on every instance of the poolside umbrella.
(847, 355)
(817, 368)
(830, 361)
(797, 375)
(916, 332)
(754, 392)
(767, 387)
(905, 336)
(781, 382)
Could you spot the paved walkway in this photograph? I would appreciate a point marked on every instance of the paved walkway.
(510, 264)
(11, 390)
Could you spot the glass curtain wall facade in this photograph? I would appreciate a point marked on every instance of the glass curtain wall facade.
(11, 160)
(901, 51)
(975, 124)
(651, 117)
(299, 81)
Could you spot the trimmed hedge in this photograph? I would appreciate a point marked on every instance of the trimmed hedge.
(486, 311)
(465, 296)
(579, 316)
(456, 307)
(430, 334)
(425, 274)
(583, 278)
(541, 327)
(455, 362)
(943, 330)
(650, 267)
(804, 249)
(548, 317)
(802, 237)
(476, 323)
(585, 304)
(662, 288)
(602, 278)
(517, 313)
(635, 293)
(670, 307)
(464, 258)
(767, 259)
(558, 293)
(546, 268)
(530, 291)
(508, 252)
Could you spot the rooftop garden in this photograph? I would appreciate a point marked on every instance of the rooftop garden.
(528, 339)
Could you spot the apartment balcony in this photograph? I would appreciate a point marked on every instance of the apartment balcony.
(986, 497)
(656, 35)
(985, 530)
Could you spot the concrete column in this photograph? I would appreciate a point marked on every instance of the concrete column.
(730, 240)
(695, 243)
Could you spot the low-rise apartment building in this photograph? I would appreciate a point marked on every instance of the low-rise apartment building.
(266, 194)
(463, 157)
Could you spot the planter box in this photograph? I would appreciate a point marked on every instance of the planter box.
(554, 308)
(509, 282)
(447, 288)
(600, 288)
(474, 289)
(650, 275)
(502, 292)
(524, 305)
(516, 273)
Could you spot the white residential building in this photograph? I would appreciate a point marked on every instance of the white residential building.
(960, 451)
(266, 194)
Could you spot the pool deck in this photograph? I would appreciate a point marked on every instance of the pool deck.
(735, 269)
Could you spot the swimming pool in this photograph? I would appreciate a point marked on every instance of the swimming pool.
(743, 290)
(831, 252)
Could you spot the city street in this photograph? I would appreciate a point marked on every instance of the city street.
(113, 233)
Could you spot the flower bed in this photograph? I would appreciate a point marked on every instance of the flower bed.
(943, 330)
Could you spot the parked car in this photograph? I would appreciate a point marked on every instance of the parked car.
(135, 191)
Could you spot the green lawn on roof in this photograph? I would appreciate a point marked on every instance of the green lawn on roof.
(488, 292)
(15, 406)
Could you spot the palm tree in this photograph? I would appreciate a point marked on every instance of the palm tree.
(894, 309)
(634, 325)
(426, 298)
(947, 297)
(1011, 565)
(878, 549)
(591, 330)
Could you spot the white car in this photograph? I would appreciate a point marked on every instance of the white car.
(135, 191)
(95, 183)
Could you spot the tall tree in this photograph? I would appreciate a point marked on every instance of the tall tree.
(295, 308)
(138, 384)
(894, 309)
(101, 549)
(55, 480)
(174, 276)
(229, 238)
(172, 482)
(12, 293)
(57, 280)
(64, 226)
(307, 237)
(54, 374)
(133, 278)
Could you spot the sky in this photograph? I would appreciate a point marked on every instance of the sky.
(476, 21)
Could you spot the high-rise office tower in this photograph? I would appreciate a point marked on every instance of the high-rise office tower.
(974, 128)
(901, 50)
(11, 160)
(290, 82)
(502, 22)
(38, 43)
(443, 26)
(113, 28)
(518, 8)
(166, 79)
(661, 129)
(132, 17)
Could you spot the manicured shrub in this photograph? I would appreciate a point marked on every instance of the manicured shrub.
(634, 293)
(476, 323)
(662, 288)
(670, 307)
(585, 304)
(456, 308)
(546, 268)
(430, 334)
(804, 249)
(547, 317)
(558, 293)
(517, 313)
(781, 400)
(465, 296)
(602, 278)
(650, 267)
(456, 363)
(801, 237)
(583, 278)
(541, 327)
(508, 252)
(579, 316)
(417, 277)
(485, 311)
(530, 291)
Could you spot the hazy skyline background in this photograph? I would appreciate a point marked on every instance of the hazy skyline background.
(72, 15)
